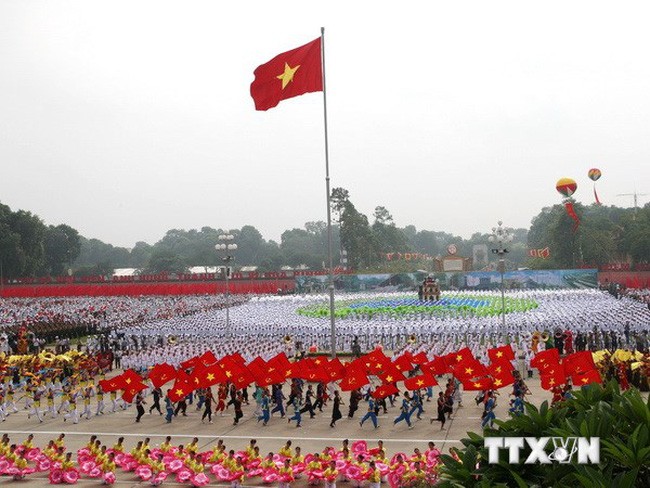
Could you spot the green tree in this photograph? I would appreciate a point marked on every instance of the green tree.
(62, 247)
(165, 261)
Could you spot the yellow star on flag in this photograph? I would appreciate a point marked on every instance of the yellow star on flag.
(420, 382)
(584, 380)
(228, 374)
(318, 361)
(287, 76)
(551, 382)
(459, 358)
(499, 354)
(210, 377)
(179, 392)
(497, 382)
(478, 385)
(389, 379)
(469, 370)
(128, 381)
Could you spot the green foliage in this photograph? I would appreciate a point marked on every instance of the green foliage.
(605, 235)
(621, 420)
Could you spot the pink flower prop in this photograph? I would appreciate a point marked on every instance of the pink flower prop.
(144, 472)
(199, 479)
(56, 476)
(71, 476)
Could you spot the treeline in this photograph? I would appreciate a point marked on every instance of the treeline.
(28, 247)
(604, 235)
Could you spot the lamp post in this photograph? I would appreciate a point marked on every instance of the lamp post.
(500, 238)
(226, 247)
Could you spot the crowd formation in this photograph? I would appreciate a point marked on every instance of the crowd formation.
(356, 463)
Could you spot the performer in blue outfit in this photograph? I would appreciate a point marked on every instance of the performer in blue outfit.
(405, 409)
(372, 413)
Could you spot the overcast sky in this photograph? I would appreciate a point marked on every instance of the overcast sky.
(128, 118)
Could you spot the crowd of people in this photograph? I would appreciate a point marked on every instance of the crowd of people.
(356, 463)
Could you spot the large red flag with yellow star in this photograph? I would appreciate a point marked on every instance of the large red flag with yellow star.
(288, 75)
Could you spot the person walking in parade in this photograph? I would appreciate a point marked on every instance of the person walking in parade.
(371, 414)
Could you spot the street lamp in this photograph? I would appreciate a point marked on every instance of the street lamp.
(500, 238)
(226, 247)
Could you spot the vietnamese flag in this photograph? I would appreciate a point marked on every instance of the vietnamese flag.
(478, 384)
(421, 381)
(501, 375)
(553, 376)
(545, 358)
(582, 379)
(180, 390)
(391, 375)
(403, 363)
(288, 75)
(161, 374)
(375, 362)
(383, 391)
(499, 354)
(469, 368)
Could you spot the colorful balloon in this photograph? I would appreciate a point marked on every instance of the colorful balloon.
(594, 174)
(566, 186)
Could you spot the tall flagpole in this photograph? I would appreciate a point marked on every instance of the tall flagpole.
(329, 209)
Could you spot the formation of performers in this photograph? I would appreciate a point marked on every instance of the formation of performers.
(354, 462)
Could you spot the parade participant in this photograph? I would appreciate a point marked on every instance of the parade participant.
(371, 414)
(330, 474)
(265, 408)
(36, 406)
(221, 395)
(286, 450)
(207, 403)
(441, 411)
(87, 393)
(285, 474)
(139, 405)
(488, 412)
(169, 408)
(336, 409)
(404, 409)
(156, 393)
(374, 478)
(296, 412)
(100, 401)
(237, 405)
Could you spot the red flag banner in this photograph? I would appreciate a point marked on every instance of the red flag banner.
(384, 390)
(582, 379)
(421, 381)
(499, 354)
(478, 384)
(288, 75)
(161, 374)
